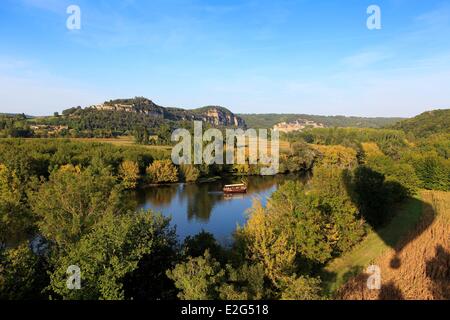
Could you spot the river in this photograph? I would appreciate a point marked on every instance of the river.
(203, 206)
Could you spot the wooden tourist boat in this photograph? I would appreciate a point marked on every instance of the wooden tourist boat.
(235, 188)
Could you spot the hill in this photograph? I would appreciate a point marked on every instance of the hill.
(269, 120)
(122, 115)
(427, 123)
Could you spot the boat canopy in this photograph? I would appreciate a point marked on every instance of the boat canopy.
(235, 185)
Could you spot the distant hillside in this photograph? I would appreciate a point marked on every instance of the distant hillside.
(25, 116)
(123, 115)
(269, 120)
(427, 123)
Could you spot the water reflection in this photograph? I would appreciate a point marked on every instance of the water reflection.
(194, 207)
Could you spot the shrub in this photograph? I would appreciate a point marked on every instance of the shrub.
(161, 171)
(129, 173)
(189, 173)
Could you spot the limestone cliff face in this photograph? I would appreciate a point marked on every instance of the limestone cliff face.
(221, 117)
(214, 115)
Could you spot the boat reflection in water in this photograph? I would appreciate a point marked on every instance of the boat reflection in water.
(204, 206)
(231, 196)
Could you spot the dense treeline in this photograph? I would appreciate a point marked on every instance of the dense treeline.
(14, 126)
(269, 120)
(426, 124)
(424, 162)
(103, 123)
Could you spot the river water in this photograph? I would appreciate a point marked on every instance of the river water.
(203, 206)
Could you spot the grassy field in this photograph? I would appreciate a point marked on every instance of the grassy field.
(417, 266)
(375, 244)
(119, 141)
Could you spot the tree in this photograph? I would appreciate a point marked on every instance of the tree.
(433, 171)
(198, 278)
(162, 171)
(371, 195)
(246, 282)
(298, 215)
(72, 202)
(266, 241)
(21, 274)
(340, 156)
(302, 288)
(401, 173)
(129, 173)
(300, 158)
(15, 217)
(195, 246)
(149, 280)
(331, 196)
(107, 254)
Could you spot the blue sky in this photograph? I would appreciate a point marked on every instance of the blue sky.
(304, 56)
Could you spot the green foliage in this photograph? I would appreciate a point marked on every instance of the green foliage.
(337, 156)
(401, 173)
(302, 288)
(40, 157)
(389, 141)
(269, 120)
(247, 282)
(195, 246)
(375, 195)
(106, 254)
(21, 274)
(162, 171)
(129, 173)
(203, 278)
(268, 242)
(198, 278)
(301, 157)
(72, 202)
(14, 126)
(330, 194)
(136, 116)
(426, 124)
(15, 218)
(434, 172)
(149, 280)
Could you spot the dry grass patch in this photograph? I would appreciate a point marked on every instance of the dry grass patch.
(418, 267)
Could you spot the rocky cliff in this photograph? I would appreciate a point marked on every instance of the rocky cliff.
(214, 115)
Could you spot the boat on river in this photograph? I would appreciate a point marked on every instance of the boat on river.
(235, 188)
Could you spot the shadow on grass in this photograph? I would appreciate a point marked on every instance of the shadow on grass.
(438, 271)
(393, 224)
